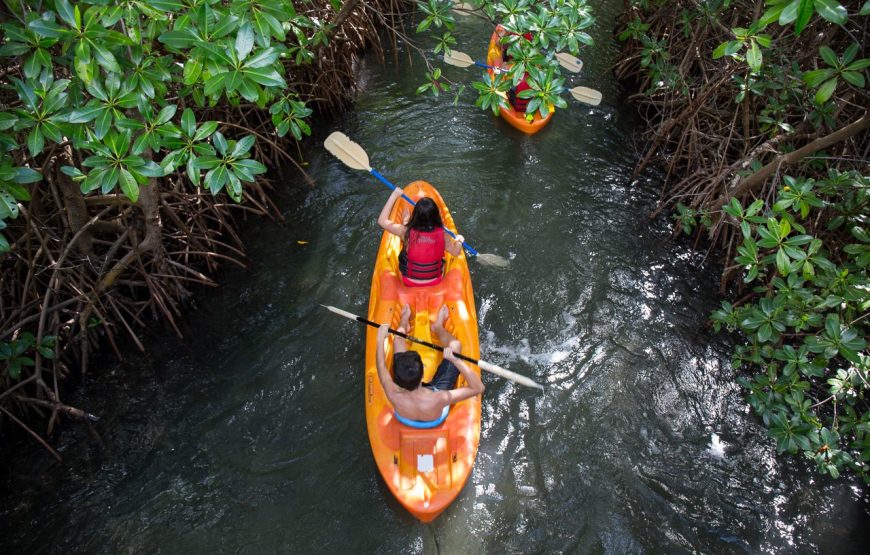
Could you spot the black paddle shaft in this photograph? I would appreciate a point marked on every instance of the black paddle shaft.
(414, 339)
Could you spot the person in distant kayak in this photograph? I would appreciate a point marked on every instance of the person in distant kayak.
(518, 104)
(423, 241)
(412, 399)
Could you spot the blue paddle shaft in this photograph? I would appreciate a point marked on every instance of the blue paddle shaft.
(386, 182)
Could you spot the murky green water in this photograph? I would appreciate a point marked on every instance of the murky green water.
(249, 435)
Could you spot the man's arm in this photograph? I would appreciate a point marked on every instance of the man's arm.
(473, 385)
(381, 362)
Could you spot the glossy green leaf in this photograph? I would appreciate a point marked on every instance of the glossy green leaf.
(831, 10)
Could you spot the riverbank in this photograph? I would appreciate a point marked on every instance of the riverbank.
(133, 156)
(757, 113)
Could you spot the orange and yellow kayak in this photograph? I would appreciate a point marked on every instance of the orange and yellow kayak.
(424, 468)
(516, 119)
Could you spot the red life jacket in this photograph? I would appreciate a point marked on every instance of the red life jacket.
(423, 258)
(518, 103)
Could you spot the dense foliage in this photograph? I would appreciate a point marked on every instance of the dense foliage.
(768, 124)
(122, 127)
(554, 26)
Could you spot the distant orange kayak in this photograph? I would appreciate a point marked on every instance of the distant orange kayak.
(424, 468)
(516, 119)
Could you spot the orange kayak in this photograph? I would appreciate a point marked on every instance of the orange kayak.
(424, 468)
(516, 119)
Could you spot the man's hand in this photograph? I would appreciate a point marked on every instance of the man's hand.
(450, 355)
(383, 332)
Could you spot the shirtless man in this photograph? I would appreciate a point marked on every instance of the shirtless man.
(412, 399)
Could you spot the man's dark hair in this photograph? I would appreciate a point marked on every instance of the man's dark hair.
(407, 369)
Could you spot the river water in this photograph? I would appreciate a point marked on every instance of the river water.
(249, 435)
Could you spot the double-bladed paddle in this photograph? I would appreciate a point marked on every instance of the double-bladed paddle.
(482, 364)
(461, 59)
(354, 157)
(583, 94)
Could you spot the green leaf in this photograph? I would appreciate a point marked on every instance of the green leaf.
(816, 77)
(205, 130)
(214, 84)
(66, 12)
(243, 146)
(188, 122)
(865, 9)
(150, 169)
(103, 123)
(105, 58)
(832, 11)
(216, 179)
(166, 5)
(854, 78)
(87, 113)
(7, 120)
(262, 58)
(825, 91)
(129, 185)
(244, 41)
(35, 141)
(220, 142)
(266, 76)
(26, 175)
(753, 57)
(782, 262)
(804, 14)
(829, 56)
(47, 28)
(192, 71)
(789, 13)
(727, 49)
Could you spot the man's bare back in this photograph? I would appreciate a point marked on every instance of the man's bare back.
(421, 402)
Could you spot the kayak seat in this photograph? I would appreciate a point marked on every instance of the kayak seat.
(423, 424)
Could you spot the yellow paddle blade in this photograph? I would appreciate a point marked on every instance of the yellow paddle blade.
(458, 59)
(569, 62)
(586, 95)
(350, 153)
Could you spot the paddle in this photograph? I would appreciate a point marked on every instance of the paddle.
(586, 95)
(483, 365)
(354, 157)
(569, 62)
(461, 59)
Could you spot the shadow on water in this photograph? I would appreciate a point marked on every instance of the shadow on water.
(249, 435)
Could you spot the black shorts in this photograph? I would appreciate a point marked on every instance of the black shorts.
(445, 377)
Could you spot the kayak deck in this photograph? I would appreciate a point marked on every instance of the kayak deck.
(425, 469)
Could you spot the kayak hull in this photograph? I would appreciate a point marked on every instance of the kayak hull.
(425, 469)
(516, 119)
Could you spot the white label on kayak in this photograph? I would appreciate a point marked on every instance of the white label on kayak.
(425, 463)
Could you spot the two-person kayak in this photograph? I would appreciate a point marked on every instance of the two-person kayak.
(424, 467)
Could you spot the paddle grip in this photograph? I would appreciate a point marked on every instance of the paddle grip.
(386, 182)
